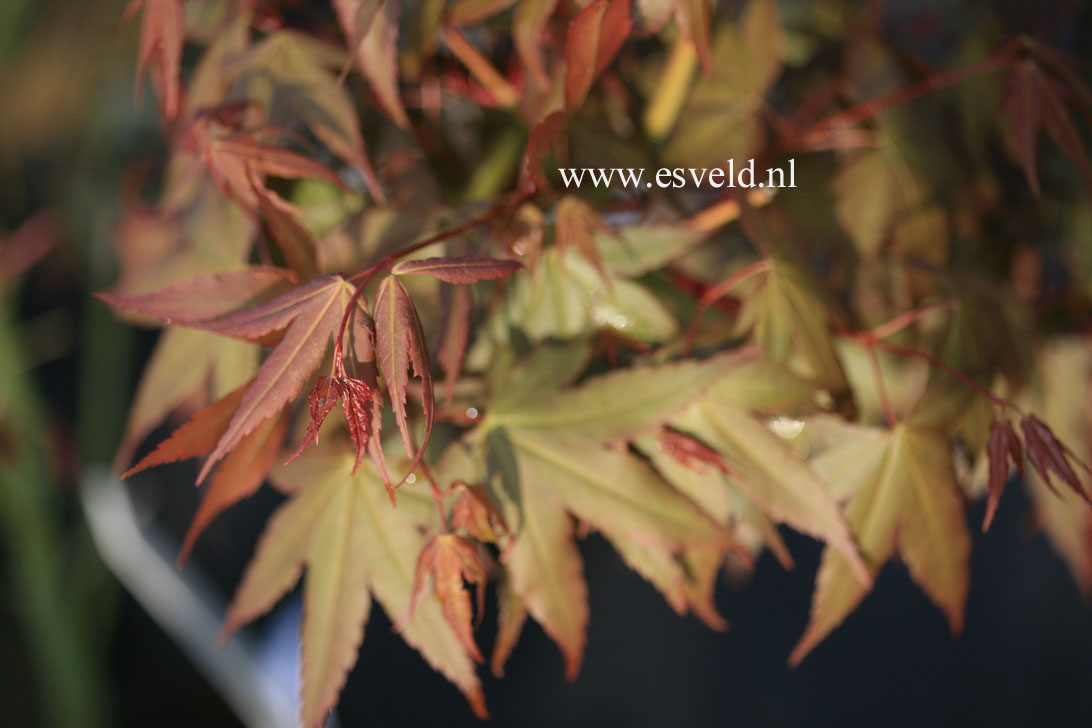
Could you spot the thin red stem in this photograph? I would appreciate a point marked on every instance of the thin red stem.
(365, 276)
(932, 361)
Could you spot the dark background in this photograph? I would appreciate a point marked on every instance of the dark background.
(68, 132)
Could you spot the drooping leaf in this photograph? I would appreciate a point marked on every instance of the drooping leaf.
(400, 344)
(459, 270)
(907, 502)
(451, 560)
(511, 615)
(354, 545)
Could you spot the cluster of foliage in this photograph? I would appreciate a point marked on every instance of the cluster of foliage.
(858, 358)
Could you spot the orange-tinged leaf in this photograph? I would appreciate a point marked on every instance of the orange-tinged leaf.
(474, 510)
(180, 369)
(239, 476)
(906, 501)
(205, 296)
(196, 437)
(545, 138)
(312, 314)
(372, 31)
(459, 270)
(451, 560)
(238, 165)
(400, 344)
(162, 35)
(595, 36)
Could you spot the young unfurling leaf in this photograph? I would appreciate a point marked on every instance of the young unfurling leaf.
(400, 344)
(356, 403)
(451, 560)
(459, 270)
(1047, 454)
(1002, 446)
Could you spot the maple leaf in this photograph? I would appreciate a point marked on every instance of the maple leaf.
(285, 76)
(451, 560)
(239, 476)
(371, 30)
(355, 548)
(1033, 100)
(474, 510)
(546, 137)
(904, 499)
(1002, 446)
(196, 437)
(309, 315)
(1047, 454)
(205, 296)
(459, 270)
(239, 163)
(400, 344)
(773, 476)
(595, 36)
(355, 397)
(162, 35)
